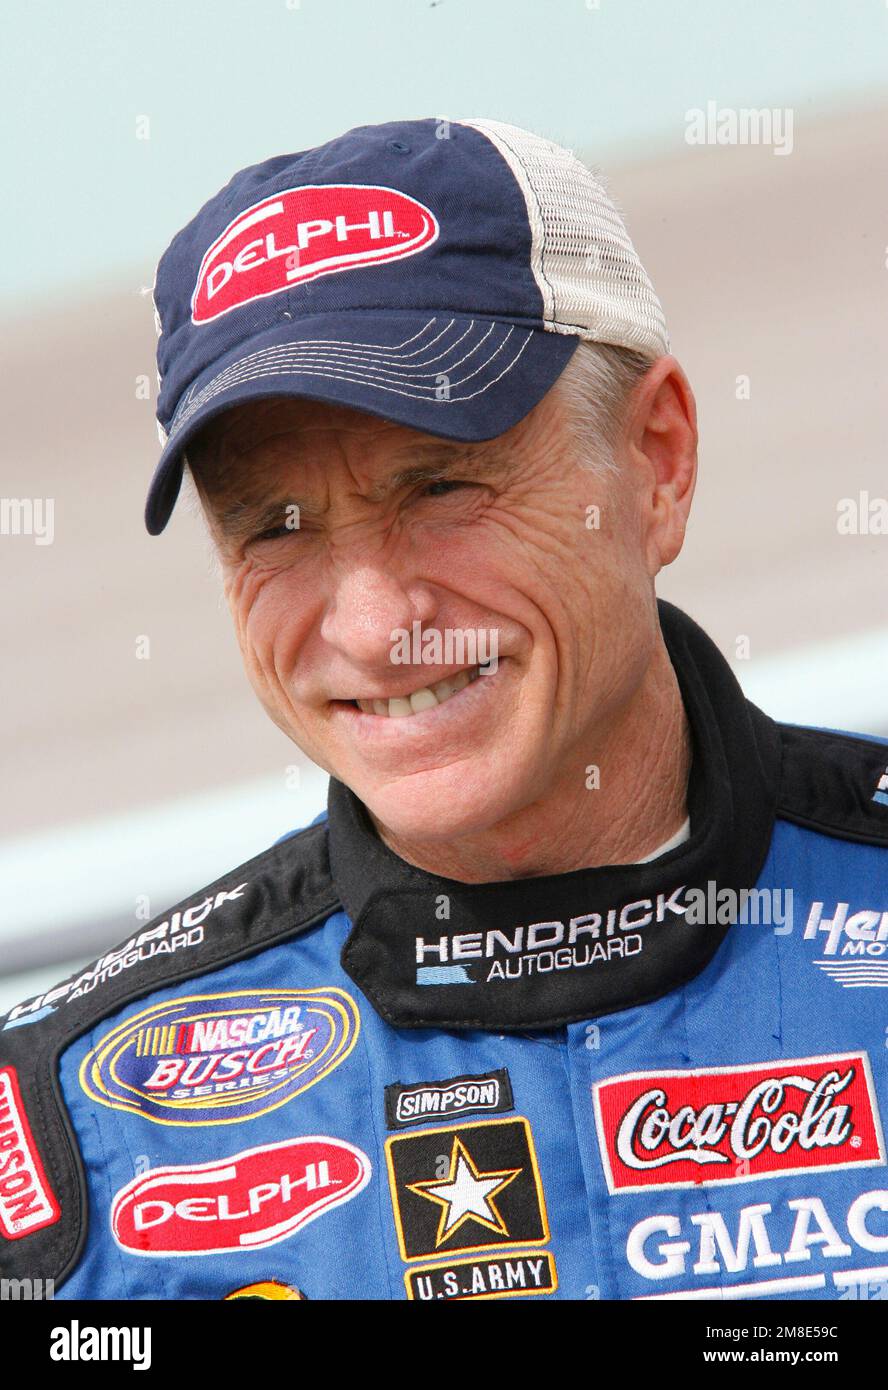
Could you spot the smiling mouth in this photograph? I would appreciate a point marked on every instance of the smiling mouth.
(426, 697)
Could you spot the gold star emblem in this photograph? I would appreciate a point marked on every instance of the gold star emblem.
(466, 1194)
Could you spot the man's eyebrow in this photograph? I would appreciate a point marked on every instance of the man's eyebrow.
(439, 461)
(244, 517)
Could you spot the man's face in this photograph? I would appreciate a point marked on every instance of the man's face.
(495, 541)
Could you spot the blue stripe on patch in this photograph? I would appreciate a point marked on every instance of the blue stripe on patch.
(443, 975)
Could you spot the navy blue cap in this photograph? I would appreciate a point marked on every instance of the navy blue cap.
(399, 269)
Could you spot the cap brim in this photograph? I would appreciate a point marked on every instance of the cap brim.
(466, 379)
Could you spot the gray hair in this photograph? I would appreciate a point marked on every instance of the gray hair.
(595, 387)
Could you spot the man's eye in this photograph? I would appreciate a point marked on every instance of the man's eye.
(442, 486)
(275, 533)
(272, 534)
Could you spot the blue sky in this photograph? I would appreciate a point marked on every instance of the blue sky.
(228, 82)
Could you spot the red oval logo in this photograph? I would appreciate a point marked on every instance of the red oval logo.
(250, 1200)
(301, 233)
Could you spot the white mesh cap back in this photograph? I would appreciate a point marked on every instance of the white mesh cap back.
(585, 265)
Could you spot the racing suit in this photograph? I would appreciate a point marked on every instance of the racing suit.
(332, 1075)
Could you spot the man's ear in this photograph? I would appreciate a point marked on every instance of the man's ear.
(661, 438)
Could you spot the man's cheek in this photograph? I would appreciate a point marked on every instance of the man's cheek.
(261, 677)
(258, 599)
(257, 627)
(542, 530)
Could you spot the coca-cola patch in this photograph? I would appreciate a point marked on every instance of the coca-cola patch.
(301, 233)
(735, 1124)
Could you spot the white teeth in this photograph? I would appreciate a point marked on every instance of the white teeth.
(425, 698)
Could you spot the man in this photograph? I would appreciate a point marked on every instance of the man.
(572, 994)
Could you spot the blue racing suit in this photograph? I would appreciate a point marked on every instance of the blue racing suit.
(332, 1075)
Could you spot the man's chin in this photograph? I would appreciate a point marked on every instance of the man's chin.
(440, 805)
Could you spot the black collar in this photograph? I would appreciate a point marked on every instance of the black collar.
(541, 952)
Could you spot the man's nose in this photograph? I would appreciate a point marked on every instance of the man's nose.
(368, 605)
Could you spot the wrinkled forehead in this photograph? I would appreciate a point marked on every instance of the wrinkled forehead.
(244, 445)
(251, 432)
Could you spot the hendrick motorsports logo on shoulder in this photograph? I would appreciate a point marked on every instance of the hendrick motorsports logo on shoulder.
(179, 932)
(591, 938)
(855, 952)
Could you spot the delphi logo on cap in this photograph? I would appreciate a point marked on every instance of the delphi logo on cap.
(302, 233)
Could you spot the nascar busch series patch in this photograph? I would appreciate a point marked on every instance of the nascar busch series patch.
(301, 233)
(484, 1277)
(730, 1124)
(466, 1188)
(27, 1202)
(442, 1100)
(212, 1059)
(245, 1202)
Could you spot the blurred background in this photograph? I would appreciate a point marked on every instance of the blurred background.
(136, 763)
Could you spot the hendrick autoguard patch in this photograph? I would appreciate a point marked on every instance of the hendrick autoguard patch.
(496, 966)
